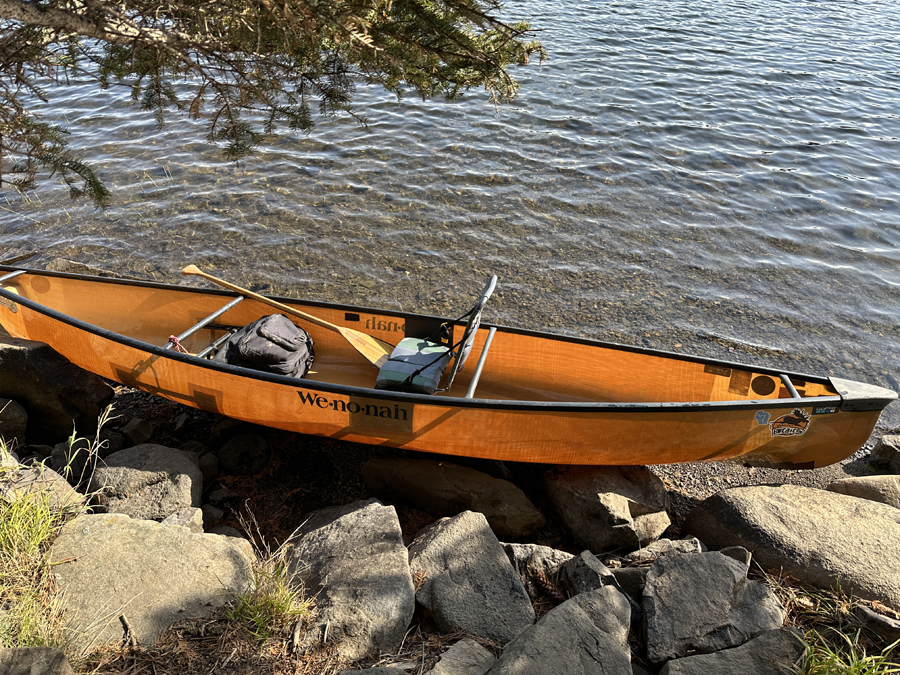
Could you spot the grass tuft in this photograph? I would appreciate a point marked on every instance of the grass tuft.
(837, 641)
(835, 653)
(30, 616)
(273, 605)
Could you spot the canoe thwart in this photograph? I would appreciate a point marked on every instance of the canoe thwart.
(171, 344)
(7, 277)
(470, 392)
(789, 386)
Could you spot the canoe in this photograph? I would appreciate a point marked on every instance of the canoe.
(523, 396)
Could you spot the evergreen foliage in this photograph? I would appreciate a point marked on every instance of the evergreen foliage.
(248, 67)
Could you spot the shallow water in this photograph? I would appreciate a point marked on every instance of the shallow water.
(713, 178)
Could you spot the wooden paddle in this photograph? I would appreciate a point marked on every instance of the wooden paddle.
(376, 351)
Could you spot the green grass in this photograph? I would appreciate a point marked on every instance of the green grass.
(272, 605)
(837, 642)
(29, 613)
(835, 653)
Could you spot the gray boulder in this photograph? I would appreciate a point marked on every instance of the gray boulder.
(75, 461)
(111, 566)
(538, 568)
(885, 627)
(442, 488)
(34, 661)
(586, 635)
(190, 517)
(467, 581)
(610, 508)
(37, 479)
(585, 572)
(353, 560)
(776, 652)
(466, 657)
(138, 431)
(883, 489)
(886, 453)
(632, 581)
(244, 455)
(13, 422)
(702, 603)
(148, 481)
(817, 536)
(663, 547)
(57, 394)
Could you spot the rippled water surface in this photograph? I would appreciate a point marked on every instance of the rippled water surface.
(715, 178)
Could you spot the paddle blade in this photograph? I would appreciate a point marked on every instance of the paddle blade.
(374, 350)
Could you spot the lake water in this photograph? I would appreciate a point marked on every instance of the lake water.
(717, 178)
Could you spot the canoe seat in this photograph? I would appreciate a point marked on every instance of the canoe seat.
(417, 364)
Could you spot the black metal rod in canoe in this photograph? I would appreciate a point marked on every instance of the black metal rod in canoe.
(789, 386)
(215, 345)
(470, 392)
(9, 276)
(171, 344)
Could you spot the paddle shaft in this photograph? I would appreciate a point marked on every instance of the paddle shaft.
(193, 269)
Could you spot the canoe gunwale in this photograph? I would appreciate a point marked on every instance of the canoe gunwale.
(424, 399)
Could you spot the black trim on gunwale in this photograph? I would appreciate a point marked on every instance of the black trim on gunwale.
(422, 399)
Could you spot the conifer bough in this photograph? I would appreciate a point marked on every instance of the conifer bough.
(248, 67)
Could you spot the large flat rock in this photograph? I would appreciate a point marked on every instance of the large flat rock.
(776, 652)
(817, 536)
(109, 566)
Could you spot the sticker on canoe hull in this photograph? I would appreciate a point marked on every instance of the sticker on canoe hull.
(795, 423)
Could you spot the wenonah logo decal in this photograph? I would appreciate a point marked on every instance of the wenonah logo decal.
(795, 423)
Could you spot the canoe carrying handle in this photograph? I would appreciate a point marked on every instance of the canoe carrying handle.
(470, 392)
(789, 386)
(171, 344)
(7, 277)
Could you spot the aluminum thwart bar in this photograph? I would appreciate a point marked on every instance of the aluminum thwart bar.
(9, 276)
(212, 317)
(470, 392)
(789, 386)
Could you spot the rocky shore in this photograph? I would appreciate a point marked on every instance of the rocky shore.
(520, 568)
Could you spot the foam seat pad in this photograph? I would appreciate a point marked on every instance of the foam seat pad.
(408, 357)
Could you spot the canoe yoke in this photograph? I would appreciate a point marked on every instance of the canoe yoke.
(417, 364)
